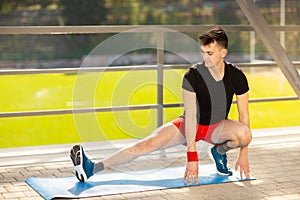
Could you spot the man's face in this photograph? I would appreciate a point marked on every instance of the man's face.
(213, 54)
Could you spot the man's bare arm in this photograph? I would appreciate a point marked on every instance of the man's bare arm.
(189, 99)
(243, 110)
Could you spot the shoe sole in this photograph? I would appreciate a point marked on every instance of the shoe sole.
(77, 159)
(212, 158)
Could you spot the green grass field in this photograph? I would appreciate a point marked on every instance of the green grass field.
(61, 91)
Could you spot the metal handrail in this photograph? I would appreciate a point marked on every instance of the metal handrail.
(160, 67)
(15, 30)
(120, 108)
(121, 68)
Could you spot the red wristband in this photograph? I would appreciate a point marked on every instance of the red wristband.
(192, 156)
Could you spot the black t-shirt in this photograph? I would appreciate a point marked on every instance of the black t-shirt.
(214, 98)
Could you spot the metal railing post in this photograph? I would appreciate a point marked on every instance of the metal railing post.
(160, 83)
(160, 80)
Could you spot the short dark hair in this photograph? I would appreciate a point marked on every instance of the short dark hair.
(217, 34)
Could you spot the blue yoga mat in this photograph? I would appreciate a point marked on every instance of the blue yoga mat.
(124, 182)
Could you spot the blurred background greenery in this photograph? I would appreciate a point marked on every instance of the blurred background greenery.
(125, 12)
(55, 91)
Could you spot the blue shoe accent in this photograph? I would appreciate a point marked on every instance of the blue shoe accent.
(83, 165)
(220, 161)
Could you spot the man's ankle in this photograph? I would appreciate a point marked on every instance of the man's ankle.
(221, 149)
(98, 167)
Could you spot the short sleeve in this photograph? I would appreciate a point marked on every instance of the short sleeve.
(240, 83)
(189, 81)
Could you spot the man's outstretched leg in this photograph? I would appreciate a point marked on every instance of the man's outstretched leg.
(164, 137)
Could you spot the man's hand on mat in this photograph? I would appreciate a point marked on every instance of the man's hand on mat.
(191, 172)
(243, 163)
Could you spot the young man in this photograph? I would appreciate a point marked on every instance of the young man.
(208, 89)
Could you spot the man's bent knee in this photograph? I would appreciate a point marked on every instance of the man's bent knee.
(245, 136)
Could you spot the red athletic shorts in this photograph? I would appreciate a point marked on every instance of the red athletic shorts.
(204, 132)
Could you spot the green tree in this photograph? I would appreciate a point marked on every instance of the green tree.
(83, 12)
(12, 5)
(121, 12)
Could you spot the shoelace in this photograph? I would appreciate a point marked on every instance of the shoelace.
(223, 161)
